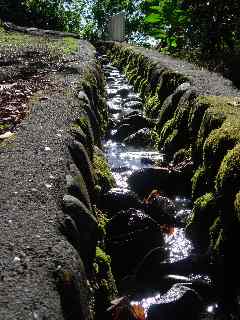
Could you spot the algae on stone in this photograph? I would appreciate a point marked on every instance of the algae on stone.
(200, 183)
(227, 180)
(106, 289)
(203, 216)
(103, 174)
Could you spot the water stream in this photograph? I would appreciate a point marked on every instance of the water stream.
(124, 160)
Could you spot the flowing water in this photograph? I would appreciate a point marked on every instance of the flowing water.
(124, 159)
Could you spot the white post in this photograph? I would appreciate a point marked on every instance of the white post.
(117, 28)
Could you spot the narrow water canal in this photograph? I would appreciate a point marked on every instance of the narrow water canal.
(179, 283)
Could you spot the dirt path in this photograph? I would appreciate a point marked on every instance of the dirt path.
(32, 168)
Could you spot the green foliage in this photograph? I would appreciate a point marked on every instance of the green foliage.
(167, 22)
(206, 25)
(47, 14)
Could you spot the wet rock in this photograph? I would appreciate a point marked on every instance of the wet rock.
(103, 59)
(145, 180)
(111, 93)
(78, 134)
(170, 104)
(179, 303)
(119, 199)
(141, 138)
(77, 188)
(72, 284)
(133, 97)
(70, 230)
(108, 67)
(138, 121)
(151, 269)
(83, 133)
(86, 225)
(110, 79)
(94, 118)
(83, 97)
(123, 132)
(124, 92)
(204, 288)
(161, 209)
(84, 165)
(130, 235)
(133, 104)
(154, 272)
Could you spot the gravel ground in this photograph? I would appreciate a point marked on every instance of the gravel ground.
(206, 82)
(32, 172)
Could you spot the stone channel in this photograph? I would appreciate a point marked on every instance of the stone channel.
(167, 276)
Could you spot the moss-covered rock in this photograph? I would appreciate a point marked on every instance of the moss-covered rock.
(106, 290)
(152, 106)
(102, 220)
(104, 177)
(216, 146)
(237, 206)
(200, 183)
(86, 226)
(203, 216)
(181, 155)
(76, 187)
(227, 180)
(169, 81)
(84, 164)
(165, 132)
(210, 112)
(83, 132)
(216, 236)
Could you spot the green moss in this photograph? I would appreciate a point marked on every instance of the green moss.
(143, 87)
(216, 146)
(227, 180)
(200, 183)
(211, 112)
(103, 173)
(203, 216)
(82, 130)
(103, 260)
(218, 245)
(106, 289)
(102, 220)
(165, 132)
(216, 234)
(237, 206)
(181, 155)
(154, 138)
(4, 127)
(172, 142)
(152, 106)
(137, 82)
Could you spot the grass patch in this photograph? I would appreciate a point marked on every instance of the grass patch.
(17, 41)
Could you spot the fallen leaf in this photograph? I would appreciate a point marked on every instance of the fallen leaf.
(6, 135)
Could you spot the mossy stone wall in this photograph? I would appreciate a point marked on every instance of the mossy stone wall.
(89, 175)
(207, 127)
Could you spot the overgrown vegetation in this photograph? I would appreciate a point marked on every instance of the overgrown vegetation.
(48, 14)
(203, 31)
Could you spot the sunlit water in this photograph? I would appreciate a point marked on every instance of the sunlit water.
(123, 160)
